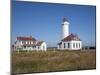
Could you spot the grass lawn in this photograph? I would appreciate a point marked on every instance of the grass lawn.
(32, 62)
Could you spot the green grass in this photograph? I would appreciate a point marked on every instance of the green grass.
(32, 62)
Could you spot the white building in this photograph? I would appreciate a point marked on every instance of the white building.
(69, 41)
(29, 43)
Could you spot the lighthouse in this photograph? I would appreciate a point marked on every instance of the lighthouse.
(68, 41)
(65, 28)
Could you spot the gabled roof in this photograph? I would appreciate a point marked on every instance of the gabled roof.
(71, 37)
(30, 38)
(64, 19)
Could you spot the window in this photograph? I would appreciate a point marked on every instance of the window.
(23, 42)
(38, 47)
(28, 42)
(68, 45)
(76, 45)
(73, 45)
(33, 46)
(60, 44)
(64, 45)
(24, 46)
(79, 45)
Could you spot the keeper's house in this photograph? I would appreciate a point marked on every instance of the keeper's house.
(29, 43)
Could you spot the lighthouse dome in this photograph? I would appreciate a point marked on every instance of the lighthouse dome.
(65, 21)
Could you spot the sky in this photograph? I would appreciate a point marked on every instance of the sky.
(43, 21)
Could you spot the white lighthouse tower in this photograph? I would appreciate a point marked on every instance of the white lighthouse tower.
(65, 28)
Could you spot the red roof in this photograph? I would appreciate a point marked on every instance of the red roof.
(26, 38)
(71, 37)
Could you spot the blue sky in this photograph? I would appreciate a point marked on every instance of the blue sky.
(43, 21)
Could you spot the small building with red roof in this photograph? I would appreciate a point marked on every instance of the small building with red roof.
(29, 43)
